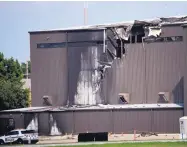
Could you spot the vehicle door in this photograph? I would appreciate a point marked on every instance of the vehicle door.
(11, 136)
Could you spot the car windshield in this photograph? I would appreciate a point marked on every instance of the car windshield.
(12, 133)
(28, 131)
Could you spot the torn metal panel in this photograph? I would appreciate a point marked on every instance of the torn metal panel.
(96, 58)
(154, 31)
(125, 24)
(89, 80)
(173, 19)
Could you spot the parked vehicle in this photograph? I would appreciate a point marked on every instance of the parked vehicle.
(19, 136)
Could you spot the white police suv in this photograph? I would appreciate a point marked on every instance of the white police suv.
(19, 136)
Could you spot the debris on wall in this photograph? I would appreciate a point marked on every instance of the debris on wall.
(53, 126)
(88, 85)
(116, 38)
(33, 125)
(47, 100)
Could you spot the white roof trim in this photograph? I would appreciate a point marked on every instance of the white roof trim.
(100, 107)
(103, 26)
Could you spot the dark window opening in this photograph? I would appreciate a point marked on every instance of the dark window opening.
(136, 30)
(51, 45)
(164, 39)
(139, 38)
(133, 39)
(120, 50)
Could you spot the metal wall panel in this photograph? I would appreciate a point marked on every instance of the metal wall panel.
(83, 86)
(125, 121)
(147, 70)
(127, 76)
(172, 31)
(28, 118)
(165, 64)
(43, 123)
(185, 71)
(81, 121)
(100, 121)
(65, 121)
(49, 69)
(166, 121)
(140, 73)
(18, 118)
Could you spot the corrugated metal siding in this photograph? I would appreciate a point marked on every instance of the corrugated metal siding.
(185, 71)
(129, 120)
(18, 118)
(162, 72)
(49, 69)
(27, 118)
(165, 64)
(43, 123)
(117, 121)
(81, 59)
(75, 55)
(144, 74)
(166, 121)
(81, 121)
(65, 121)
(172, 31)
(127, 76)
(100, 121)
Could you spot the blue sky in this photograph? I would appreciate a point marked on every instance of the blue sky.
(17, 18)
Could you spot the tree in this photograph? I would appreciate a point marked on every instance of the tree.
(24, 67)
(12, 94)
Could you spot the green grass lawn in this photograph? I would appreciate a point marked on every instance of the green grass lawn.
(152, 144)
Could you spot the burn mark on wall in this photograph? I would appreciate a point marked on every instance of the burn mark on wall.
(91, 53)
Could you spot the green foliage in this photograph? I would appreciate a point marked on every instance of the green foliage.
(12, 94)
(24, 67)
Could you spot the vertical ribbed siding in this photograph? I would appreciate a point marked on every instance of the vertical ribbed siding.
(28, 118)
(83, 56)
(185, 71)
(65, 121)
(81, 121)
(100, 121)
(125, 121)
(43, 123)
(143, 78)
(116, 121)
(166, 121)
(49, 69)
(165, 71)
(127, 76)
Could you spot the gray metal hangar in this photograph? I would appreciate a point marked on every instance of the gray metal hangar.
(108, 78)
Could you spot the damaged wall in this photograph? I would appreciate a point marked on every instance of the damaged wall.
(74, 67)
(111, 120)
(148, 69)
(84, 52)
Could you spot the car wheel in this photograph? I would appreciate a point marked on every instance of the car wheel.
(20, 141)
(1, 142)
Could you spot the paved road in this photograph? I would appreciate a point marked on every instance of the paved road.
(88, 143)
